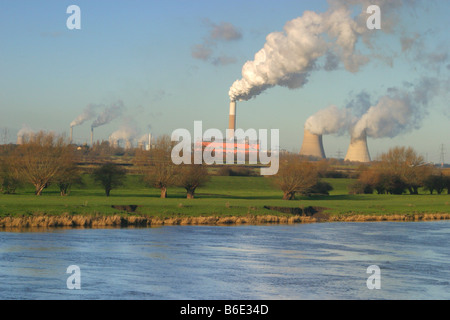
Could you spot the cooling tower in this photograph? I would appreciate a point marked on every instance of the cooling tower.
(312, 145)
(358, 150)
(25, 137)
(232, 120)
(114, 143)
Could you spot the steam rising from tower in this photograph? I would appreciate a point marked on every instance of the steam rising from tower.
(331, 120)
(289, 57)
(88, 113)
(312, 145)
(25, 134)
(128, 133)
(358, 150)
(109, 114)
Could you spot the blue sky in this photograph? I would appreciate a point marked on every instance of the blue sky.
(140, 52)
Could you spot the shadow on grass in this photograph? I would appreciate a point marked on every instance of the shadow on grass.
(340, 197)
(177, 194)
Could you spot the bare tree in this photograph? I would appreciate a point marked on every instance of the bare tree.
(157, 167)
(41, 158)
(295, 176)
(191, 177)
(407, 165)
(397, 170)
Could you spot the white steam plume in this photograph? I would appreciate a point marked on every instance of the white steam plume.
(288, 57)
(388, 118)
(109, 114)
(331, 120)
(24, 131)
(144, 138)
(398, 112)
(127, 132)
(88, 114)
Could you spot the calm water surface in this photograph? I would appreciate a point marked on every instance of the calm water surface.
(305, 261)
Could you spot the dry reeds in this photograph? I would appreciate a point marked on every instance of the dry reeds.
(66, 220)
(391, 217)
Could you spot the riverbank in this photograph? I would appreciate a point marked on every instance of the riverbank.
(224, 201)
(46, 221)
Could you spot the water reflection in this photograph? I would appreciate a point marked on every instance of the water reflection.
(313, 261)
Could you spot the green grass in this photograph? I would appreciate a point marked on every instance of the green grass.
(223, 196)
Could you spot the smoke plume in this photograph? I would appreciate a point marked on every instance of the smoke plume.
(223, 32)
(109, 114)
(25, 131)
(144, 138)
(288, 57)
(331, 120)
(128, 131)
(88, 114)
(399, 111)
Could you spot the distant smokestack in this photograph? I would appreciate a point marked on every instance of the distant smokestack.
(92, 136)
(232, 120)
(312, 145)
(358, 150)
(149, 141)
(71, 134)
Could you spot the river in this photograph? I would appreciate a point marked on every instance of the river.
(302, 261)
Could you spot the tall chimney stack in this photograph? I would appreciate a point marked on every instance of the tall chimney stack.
(92, 136)
(312, 145)
(358, 150)
(232, 120)
(71, 134)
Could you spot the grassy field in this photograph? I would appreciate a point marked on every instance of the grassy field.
(223, 196)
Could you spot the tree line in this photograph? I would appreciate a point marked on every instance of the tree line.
(398, 171)
(47, 159)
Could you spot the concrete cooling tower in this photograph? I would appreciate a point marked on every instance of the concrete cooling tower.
(312, 145)
(358, 150)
